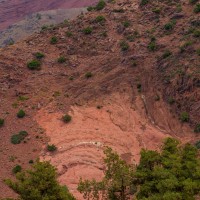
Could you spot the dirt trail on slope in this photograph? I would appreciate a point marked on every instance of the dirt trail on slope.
(118, 124)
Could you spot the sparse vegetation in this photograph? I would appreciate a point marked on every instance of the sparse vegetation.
(100, 19)
(184, 117)
(34, 65)
(1, 122)
(16, 169)
(39, 55)
(66, 118)
(69, 34)
(87, 30)
(18, 138)
(88, 75)
(197, 8)
(100, 5)
(51, 147)
(54, 40)
(124, 45)
(21, 114)
(197, 128)
(62, 59)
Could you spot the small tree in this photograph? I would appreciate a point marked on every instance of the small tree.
(116, 182)
(39, 183)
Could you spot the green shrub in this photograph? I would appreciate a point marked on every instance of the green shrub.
(100, 19)
(18, 138)
(197, 8)
(69, 34)
(21, 114)
(198, 52)
(144, 2)
(166, 54)
(51, 147)
(169, 26)
(34, 65)
(193, 1)
(100, 5)
(197, 128)
(1, 122)
(31, 162)
(90, 8)
(39, 55)
(88, 30)
(54, 40)
(184, 117)
(124, 45)
(139, 87)
(88, 75)
(152, 46)
(16, 169)
(126, 24)
(171, 100)
(66, 118)
(196, 33)
(156, 10)
(197, 144)
(62, 59)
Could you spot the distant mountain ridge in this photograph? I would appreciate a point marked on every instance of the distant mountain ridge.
(12, 11)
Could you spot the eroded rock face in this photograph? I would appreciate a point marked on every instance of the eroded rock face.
(12, 11)
(119, 124)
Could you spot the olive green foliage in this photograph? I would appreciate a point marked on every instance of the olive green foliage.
(39, 183)
(172, 174)
(100, 19)
(197, 128)
(184, 117)
(88, 75)
(21, 114)
(62, 59)
(152, 44)
(100, 5)
(116, 182)
(34, 65)
(87, 30)
(124, 45)
(16, 169)
(18, 138)
(144, 2)
(39, 55)
(197, 8)
(51, 147)
(66, 118)
(54, 40)
(1, 122)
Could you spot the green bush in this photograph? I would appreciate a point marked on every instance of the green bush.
(124, 45)
(184, 117)
(21, 114)
(144, 2)
(54, 40)
(100, 5)
(197, 8)
(16, 169)
(197, 144)
(66, 118)
(51, 147)
(62, 59)
(90, 8)
(100, 19)
(69, 34)
(169, 26)
(126, 24)
(18, 138)
(152, 46)
(88, 75)
(166, 54)
(193, 1)
(88, 30)
(34, 65)
(197, 128)
(1, 122)
(39, 55)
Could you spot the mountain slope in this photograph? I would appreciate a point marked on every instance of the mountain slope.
(125, 74)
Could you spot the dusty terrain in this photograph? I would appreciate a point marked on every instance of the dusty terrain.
(124, 104)
(12, 11)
